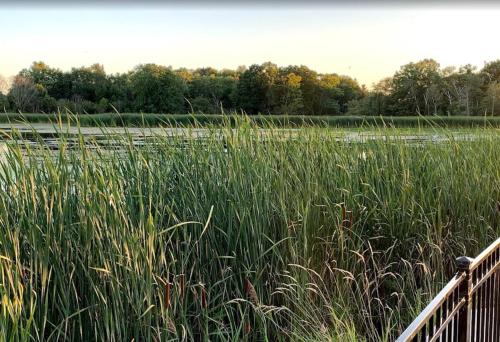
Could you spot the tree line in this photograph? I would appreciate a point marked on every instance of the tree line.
(421, 88)
(424, 88)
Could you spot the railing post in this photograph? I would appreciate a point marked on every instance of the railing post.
(465, 291)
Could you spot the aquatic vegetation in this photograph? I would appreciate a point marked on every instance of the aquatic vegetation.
(238, 235)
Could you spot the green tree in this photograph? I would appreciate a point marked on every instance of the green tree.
(4, 103)
(376, 102)
(253, 93)
(89, 83)
(491, 101)
(349, 91)
(465, 86)
(185, 74)
(157, 89)
(287, 94)
(328, 94)
(309, 87)
(217, 90)
(491, 71)
(120, 93)
(23, 94)
(411, 83)
(4, 85)
(56, 83)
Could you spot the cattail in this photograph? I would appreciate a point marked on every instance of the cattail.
(182, 286)
(250, 292)
(247, 328)
(203, 298)
(167, 294)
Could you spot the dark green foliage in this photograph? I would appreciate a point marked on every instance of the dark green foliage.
(254, 88)
(157, 89)
(4, 103)
(208, 94)
(424, 88)
(491, 71)
(420, 88)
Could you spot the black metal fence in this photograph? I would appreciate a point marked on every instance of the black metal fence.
(468, 308)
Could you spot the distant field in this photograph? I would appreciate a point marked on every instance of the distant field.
(137, 119)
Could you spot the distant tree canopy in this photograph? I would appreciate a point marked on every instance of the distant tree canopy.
(424, 88)
(421, 88)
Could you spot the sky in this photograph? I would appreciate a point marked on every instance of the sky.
(367, 43)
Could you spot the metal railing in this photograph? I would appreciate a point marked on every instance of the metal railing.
(468, 308)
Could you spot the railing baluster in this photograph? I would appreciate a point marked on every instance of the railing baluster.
(485, 311)
(465, 313)
(444, 318)
(493, 300)
(475, 315)
(431, 326)
(451, 306)
(455, 319)
(479, 307)
(436, 323)
(493, 304)
(483, 306)
(497, 305)
(488, 307)
(479, 299)
(477, 325)
(455, 328)
(446, 313)
(423, 334)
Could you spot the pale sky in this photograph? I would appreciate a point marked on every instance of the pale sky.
(363, 42)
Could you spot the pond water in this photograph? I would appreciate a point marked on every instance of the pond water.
(107, 137)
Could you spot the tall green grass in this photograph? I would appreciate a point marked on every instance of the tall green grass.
(237, 236)
(154, 120)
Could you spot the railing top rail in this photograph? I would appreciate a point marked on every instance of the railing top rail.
(431, 308)
(484, 254)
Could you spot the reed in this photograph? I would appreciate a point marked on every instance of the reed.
(239, 235)
(180, 120)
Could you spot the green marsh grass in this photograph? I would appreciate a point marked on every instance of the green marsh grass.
(240, 235)
(180, 120)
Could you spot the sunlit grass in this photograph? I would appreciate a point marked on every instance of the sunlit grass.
(237, 235)
(155, 120)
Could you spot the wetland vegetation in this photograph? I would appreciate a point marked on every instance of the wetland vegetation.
(239, 235)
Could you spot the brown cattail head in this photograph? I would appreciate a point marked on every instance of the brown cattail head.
(343, 213)
(182, 286)
(203, 298)
(247, 328)
(250, 292)
(167, 294)
(351, 219)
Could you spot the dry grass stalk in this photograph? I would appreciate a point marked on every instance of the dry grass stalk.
(167, 294)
